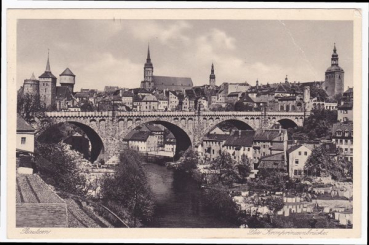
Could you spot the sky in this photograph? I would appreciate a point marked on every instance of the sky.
(113, 52)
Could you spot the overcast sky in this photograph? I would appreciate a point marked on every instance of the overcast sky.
(107, 52)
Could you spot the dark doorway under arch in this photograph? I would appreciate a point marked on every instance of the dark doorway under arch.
(52, 135)
(287, 123)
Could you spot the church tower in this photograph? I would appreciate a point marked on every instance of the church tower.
(148, 83)
(47, 85)
(334, 76)
(212, 77)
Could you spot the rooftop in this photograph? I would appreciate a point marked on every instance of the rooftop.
(240, 138)
(23, 126)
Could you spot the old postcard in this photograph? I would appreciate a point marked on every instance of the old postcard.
(184, 123)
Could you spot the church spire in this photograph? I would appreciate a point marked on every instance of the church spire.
(334, 59)
(212, 76)
(48, 62)
(148, 59)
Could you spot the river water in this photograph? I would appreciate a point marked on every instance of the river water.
(178, 201)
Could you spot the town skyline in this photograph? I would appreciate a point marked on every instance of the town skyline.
(109, 64)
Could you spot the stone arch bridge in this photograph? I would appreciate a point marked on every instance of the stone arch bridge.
(107, 129)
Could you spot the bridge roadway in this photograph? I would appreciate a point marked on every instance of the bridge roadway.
(106, 129)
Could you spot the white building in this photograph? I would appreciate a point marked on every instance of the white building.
(25, 136)
(297, 156)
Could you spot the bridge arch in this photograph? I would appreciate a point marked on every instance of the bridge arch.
(97, 145)
(287, 123)
(239, 124)
(183, 139)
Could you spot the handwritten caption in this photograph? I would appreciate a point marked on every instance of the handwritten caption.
(276, 232)
(35, 231)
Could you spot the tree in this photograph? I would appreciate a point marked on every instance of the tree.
(321, 163)
(274, 204)
(227, 168)
(220, 202)
(239, 106)
(318, 93)
(129, 187)
(270, 180)
(229, 107)
(190, 160)
(28, 105)
(244, 168)
(87, 106)
(58, 168)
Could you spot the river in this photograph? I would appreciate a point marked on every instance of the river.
(178, 201)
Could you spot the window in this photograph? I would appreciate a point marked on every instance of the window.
(23, 140)
(299, 153)
(305, 153)
(296, 161)
(295, 172)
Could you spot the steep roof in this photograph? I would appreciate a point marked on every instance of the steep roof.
(127, 94)
(140, 90)
(216, 137)
(346, 106)
(293, 148)
(149, 98)
(23, 126)
(47, 74)
(172, 83)
(140, 136)
(240, 138)
(343, 127)
(25, 190)
(81, 95)
(247, 98)
(67, 72)
(272, 161)
(268, 134)
(277, 146)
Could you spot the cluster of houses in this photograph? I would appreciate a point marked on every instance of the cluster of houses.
(151, 139)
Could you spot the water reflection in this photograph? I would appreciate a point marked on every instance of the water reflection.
(178, 201)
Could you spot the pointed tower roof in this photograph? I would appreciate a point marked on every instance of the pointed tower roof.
(33, 76)
(47, 73)
(148, 53)
(148, 63)
(67, 72)
(334, 55)
(48, 62)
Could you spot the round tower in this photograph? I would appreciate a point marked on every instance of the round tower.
(67, 79)
(31, 86)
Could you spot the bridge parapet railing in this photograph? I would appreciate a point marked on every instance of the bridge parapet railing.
(165, 113)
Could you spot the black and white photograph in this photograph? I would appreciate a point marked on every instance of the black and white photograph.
(245, 124)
